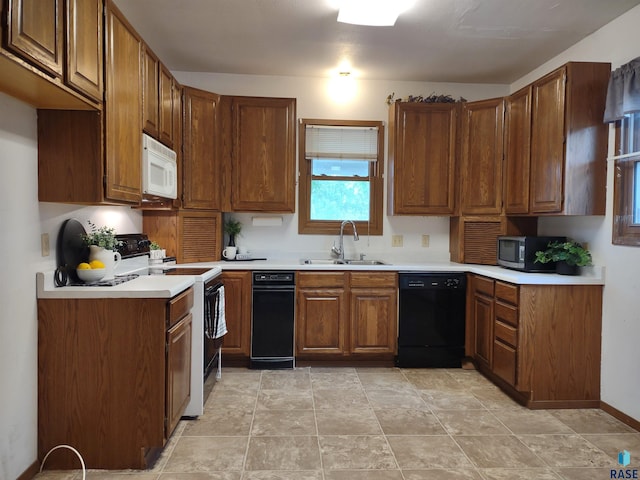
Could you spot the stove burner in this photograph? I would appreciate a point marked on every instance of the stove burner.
(117, 280)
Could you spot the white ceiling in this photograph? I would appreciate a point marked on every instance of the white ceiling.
(475, 41)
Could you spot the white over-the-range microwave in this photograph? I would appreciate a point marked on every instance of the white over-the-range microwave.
(159, 169)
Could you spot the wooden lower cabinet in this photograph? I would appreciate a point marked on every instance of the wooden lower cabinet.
(541, 343)
(344, 315)
(237, 292)
(482, 305)
(374, 304)
(108, 379)
(321, 317)
(178, 370)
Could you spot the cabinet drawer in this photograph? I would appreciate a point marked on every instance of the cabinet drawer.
(179, 306)
(506, 314)
(373, 279)
(507, 292)
(504, 362)
(321, 279)
(506, 333)
(484, 285)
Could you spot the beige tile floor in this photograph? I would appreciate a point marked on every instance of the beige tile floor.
(380, 424)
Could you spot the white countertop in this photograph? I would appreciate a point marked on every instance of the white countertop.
(144, 286)
(168, 286)
(588, 276)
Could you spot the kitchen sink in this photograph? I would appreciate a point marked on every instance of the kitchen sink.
(335, 261)
(364, 262)
(321, 261)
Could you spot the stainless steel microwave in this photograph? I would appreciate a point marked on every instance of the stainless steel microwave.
(519, 253)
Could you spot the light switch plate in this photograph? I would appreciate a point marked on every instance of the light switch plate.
(44, 244)
(425, 240)
(396, 240)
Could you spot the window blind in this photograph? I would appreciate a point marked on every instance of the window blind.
(341, 142)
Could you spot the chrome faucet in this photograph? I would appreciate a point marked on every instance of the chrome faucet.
(339, 250)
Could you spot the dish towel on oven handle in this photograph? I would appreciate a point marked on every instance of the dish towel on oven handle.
(216, 325)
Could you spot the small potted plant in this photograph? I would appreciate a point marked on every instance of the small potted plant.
(104, 237)
(155, 252)
(232, 228)
(568, 256)
(103, 246)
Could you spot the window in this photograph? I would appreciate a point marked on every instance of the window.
(341, 167)
(626, 196)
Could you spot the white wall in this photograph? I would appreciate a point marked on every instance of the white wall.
(617, 43)
(22, 221)
(314, 100)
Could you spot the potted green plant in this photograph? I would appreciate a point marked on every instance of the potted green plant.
(232, 228)
(104, 237)
(568, 256)
(103, 246)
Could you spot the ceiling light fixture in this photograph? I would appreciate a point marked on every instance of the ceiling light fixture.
(377, 13)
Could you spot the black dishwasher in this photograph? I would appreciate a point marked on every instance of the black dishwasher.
(431, 319)
(272, 320)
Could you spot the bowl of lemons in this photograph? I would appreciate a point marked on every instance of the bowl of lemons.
(90, 272)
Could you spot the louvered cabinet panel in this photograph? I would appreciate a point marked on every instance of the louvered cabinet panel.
(188, 235)
(200, 238)
(474, 239)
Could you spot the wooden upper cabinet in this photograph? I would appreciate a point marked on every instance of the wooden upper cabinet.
(158, 99)
(35, 32)
(123, 110)
(569, 141)
(422, 158)
(201, 158)
(84, 70)
(262, 143)
(74, 55)
(481, 157)
(547, 166)
(517, 149)
(166, 106)
(150, 79)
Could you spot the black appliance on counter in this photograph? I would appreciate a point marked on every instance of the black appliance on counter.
(431, 319)
(272, 319)
(519, 253)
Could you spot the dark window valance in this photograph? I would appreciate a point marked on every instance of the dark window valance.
(623, 94)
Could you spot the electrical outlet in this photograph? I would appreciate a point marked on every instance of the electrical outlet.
(425, 240)
(44, 244)
(396, 240)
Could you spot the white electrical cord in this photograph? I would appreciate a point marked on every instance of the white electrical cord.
(84, 470)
